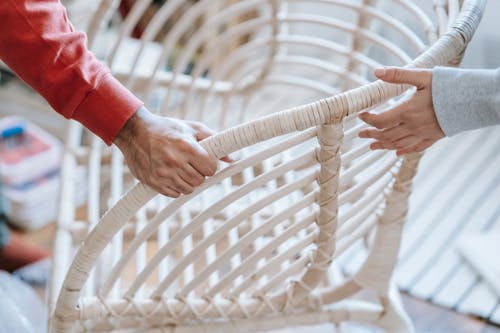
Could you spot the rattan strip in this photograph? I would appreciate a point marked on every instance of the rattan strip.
(223, 230)
(388, 232)
(244, 241)
(161, 216)
(149, 34)
(99, 19)
(346, 310)
(266, 269)
(239, 30)
(250, 263)
(198, 221)
(166, 11)
(330, 139)
(131, 20)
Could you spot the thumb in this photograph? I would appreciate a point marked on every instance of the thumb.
(201, 131)
(416, 77)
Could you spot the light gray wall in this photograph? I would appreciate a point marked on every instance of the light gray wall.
(484, 50)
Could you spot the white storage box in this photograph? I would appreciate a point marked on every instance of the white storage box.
(30, 161)
(37, 155)
(35, 205)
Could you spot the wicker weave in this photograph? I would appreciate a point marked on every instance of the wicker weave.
(259, 245)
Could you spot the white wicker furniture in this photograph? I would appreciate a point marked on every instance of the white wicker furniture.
(259, 245)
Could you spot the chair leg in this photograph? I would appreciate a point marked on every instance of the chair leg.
(395, 318)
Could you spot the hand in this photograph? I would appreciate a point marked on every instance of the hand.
(411, 126)
(163, 153)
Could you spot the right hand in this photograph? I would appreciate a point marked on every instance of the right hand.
(164, 153)
(411, 126)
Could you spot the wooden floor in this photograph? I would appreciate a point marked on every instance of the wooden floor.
(456, 194)
(428, 318)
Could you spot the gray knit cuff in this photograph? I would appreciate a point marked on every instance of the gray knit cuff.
(465, 99)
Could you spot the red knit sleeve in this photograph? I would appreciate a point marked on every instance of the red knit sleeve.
(38, 43)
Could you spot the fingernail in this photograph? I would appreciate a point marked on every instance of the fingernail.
(232, 158)
(379, 71)
(374, 146)
(362, 134)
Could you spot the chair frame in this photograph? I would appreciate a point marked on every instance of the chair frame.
(301, 302)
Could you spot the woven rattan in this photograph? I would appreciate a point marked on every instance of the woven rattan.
(260, 245)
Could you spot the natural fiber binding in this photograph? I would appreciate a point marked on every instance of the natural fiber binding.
(263, 252)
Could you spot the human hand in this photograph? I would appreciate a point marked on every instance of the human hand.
(163, 153)
(411, 126)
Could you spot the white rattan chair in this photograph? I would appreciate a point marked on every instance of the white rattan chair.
(261, 244)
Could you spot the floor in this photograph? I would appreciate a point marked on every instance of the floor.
(428, 318)
(448, 204)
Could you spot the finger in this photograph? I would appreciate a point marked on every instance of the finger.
(169, 192)
(408, 141)
(416, 77)
(181, 186)
(165, 190)
(227, 159)
(416, 148)
(202, 131)
(383, 120)
(191, 176)
(392, 134)
(405, 142)
(205, 164)
(377, 145)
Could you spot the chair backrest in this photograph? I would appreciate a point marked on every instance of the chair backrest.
(212, 57)
(225, 62)
(262, 238)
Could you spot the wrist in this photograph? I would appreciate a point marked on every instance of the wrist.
(132, 127)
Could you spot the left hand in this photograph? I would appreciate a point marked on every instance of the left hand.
(411, 126)
(164, 153)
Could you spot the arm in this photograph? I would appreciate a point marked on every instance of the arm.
(465, 99)
(446, 101)
(39, 44)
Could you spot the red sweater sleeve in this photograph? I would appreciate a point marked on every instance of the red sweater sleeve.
(38, 43)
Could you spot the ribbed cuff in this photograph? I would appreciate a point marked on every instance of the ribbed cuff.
(107, 108)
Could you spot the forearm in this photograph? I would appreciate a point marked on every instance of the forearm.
(466, 99)
(40, 45)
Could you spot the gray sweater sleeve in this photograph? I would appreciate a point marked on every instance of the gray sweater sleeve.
(465, 99)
